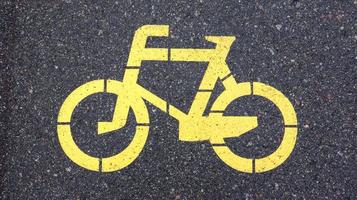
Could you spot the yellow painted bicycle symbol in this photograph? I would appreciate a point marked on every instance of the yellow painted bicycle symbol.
(193, 126)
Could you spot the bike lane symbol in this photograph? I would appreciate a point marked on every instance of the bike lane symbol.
(193, 126)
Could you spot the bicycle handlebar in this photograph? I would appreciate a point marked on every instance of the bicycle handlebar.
(139, 52)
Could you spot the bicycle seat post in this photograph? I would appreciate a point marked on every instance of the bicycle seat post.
(139, 52)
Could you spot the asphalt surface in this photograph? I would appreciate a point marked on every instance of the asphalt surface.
(306, 49)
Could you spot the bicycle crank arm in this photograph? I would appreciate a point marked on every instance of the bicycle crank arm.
(216, 128)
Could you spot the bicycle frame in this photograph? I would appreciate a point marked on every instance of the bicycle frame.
(193, 126)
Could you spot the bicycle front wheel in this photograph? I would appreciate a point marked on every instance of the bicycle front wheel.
(287, 144)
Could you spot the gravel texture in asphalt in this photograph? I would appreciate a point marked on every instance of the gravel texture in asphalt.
(306, 49)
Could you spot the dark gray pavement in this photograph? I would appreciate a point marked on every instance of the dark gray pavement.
(306, 49)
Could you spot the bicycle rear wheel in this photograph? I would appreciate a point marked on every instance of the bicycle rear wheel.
(112, 163)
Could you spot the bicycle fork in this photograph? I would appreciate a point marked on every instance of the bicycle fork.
(193, 126)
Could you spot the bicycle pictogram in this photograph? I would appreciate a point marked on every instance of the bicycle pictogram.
(194, 126)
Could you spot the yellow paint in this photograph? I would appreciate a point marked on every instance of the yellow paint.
(193, 126)
(122, 159)
(77, 96)
(231, 159)
(139, 52)
(129, 154)
(278, 98)
(73, 152)
(287, 145)
(280, 155)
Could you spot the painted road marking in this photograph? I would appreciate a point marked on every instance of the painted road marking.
(193, 126)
